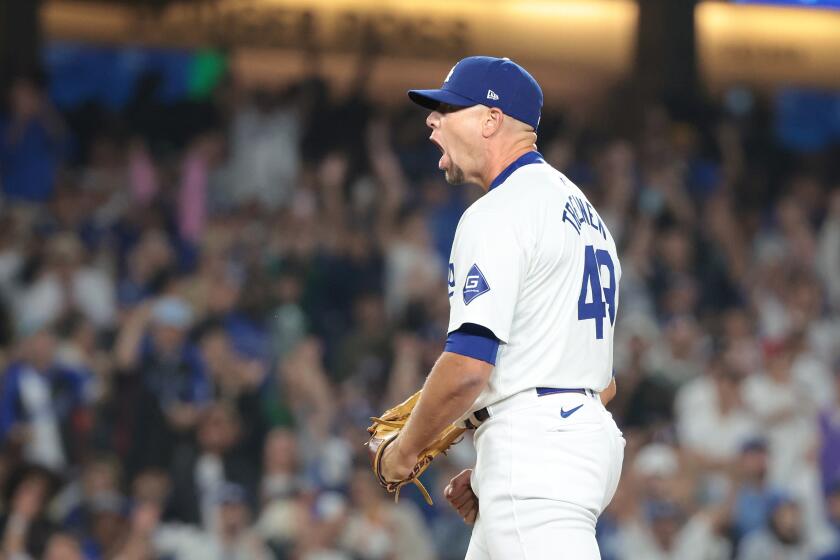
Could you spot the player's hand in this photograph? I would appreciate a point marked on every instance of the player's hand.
(396, 464)
(460, 496)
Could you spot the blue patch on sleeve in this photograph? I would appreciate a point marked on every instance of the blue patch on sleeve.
(475, 285)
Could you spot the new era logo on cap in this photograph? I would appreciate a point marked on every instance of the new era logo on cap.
(489, 81)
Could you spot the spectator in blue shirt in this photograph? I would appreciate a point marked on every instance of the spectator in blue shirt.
(164, 385)
(37, 400)
(154, 343)
(753, 496)
(31, 141)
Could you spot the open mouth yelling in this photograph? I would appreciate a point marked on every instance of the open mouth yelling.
(443, 163)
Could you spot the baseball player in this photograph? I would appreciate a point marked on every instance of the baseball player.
(533, 290)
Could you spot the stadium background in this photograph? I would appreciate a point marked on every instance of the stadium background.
(223, 248)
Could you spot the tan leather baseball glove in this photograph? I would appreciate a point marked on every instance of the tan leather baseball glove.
(387, 427)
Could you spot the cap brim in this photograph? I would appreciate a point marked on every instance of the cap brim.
(431, 98)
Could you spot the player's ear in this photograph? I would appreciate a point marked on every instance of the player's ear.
(492, 121)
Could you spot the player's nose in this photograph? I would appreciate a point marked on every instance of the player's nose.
(433, 120)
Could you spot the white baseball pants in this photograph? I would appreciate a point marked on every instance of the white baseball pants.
(543, 475)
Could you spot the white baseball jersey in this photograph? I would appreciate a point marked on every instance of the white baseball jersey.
(533, 262)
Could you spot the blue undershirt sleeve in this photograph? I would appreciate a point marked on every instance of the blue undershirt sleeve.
(473, 341)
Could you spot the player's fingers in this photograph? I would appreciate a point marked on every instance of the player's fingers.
(465, 505)
(459, 482)
(464, 510)
(463, 477)
(469, 515)
(459, 498)
(464, 498)
(456, 491)
(453, 489)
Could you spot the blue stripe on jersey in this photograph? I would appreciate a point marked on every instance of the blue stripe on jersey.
(483, 346)
(525, 159)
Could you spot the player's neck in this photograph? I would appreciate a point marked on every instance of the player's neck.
(499, 164)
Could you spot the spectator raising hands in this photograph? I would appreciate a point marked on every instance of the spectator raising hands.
(204, 299)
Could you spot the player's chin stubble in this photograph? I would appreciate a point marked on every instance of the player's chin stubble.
(454, 175)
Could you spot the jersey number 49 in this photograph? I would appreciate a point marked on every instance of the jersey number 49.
(596, 300)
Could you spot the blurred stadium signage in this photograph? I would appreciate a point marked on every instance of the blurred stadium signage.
(588, 35)
(802, 3)
(768, 46)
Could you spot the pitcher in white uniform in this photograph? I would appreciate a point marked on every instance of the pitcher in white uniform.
(533, 291)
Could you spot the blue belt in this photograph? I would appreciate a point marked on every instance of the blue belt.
(483, 414)
(543, 391)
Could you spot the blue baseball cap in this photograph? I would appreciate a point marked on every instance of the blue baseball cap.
(489, 81)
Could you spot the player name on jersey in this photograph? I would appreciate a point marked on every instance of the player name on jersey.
(578, 212)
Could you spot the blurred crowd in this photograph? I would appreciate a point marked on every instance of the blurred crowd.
(203, 302)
